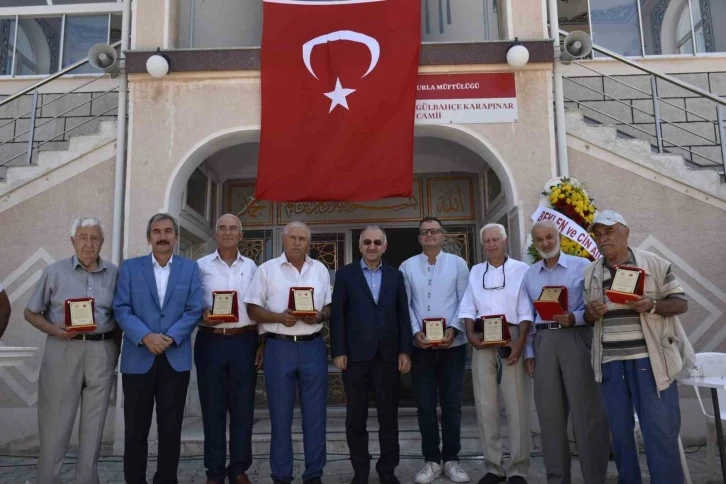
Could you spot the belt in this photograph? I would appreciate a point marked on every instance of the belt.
(549, 326)
(228, 331)
(94, 336)
(296, 338)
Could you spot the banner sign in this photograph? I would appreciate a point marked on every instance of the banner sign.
(466, 98)
(568, 228)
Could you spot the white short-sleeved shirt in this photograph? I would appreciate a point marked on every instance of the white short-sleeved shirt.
(218, 276)
(270, 289)
(480, 302)
(1, 288)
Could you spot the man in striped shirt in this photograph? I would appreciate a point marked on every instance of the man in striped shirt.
(638, 349)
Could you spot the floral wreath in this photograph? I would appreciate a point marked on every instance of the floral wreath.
(568, 197)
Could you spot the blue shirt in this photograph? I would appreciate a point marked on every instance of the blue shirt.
(569, 272)
(373, 278)
(436, 290)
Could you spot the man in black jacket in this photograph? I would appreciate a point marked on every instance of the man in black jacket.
(370, 334)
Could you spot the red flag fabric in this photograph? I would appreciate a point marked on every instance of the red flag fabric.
(338, 99)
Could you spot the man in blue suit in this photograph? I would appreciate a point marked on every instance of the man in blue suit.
(158, 303)
(370, 335)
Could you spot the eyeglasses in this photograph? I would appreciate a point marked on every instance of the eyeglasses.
(376, 242)
(430, 231)
(504, 280)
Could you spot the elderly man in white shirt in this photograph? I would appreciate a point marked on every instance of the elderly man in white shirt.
(227, 357)
(494, 289)
(295, 353)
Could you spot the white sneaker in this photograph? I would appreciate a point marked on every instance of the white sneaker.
(429, 473)
(453, 471)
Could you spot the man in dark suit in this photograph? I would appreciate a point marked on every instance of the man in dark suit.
(370, 334)
(158, 304)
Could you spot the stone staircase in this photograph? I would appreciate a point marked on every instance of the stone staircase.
(409, 435)
(639, 151)
(14, 177)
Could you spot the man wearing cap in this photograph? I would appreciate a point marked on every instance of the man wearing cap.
(638, 350)
(77, 368)
(564, 385)
(227, 357)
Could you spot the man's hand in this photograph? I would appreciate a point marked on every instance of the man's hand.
(61, 333)
(530, 366)
(567, 319)
(341, 362)
(419, 339)
(642, 305)
(156, 343)
(404, 363)
(316, 318)
(259, 357)
(517, 348)
(448, 338)
(286, 318)
(595, 310)
(210, 322)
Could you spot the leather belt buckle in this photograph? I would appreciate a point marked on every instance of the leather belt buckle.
(294, 338)
(224, 331)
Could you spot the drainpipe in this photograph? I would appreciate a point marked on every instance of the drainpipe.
(120, 177)
(118, 202)
(563, 167)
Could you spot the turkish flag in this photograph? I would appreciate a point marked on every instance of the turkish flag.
(338, 99)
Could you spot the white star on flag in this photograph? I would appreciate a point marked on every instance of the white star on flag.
(338, 96)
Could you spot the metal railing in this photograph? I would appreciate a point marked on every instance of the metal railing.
(33, 89)
(662, 144)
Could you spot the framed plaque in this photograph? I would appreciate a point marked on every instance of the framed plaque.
(434, 329)
(225, 307)
(552, 300)
(494, 329)
(79, 315)
(627, 284)
(301, 301)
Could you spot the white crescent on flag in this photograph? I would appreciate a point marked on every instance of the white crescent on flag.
(372, 44)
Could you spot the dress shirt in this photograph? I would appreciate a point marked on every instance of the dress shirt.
(373, 278)
(218, 276)
(68, 279)
(480, 302)
(569, 272)
(1, 288)
(436, 290)
(161, 275)
(270, 289)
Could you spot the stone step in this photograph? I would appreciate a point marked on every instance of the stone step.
(409, 435)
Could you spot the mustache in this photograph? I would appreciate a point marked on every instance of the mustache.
(162, 242)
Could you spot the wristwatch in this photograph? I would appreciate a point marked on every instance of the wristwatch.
(652, 310)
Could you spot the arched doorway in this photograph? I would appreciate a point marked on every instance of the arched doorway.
(459, 178)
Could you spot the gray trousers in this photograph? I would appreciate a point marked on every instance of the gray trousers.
(564, 384)
(516, 390)
(73, 372)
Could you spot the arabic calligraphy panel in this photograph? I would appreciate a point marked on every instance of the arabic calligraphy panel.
(239, 196)
(451, 198)
(398, 209)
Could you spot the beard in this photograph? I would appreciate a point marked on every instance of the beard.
(550, 254)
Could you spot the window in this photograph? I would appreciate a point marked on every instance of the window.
(197, 193)
(44, 45)
(649, 27)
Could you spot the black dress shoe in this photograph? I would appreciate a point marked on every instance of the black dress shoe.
(388, 479)
(313, 480)
(517, 480)
(490, 478)
(359, 479)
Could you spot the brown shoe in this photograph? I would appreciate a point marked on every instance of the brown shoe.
(242, 479)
